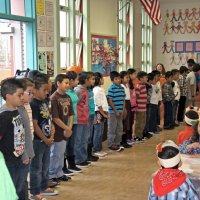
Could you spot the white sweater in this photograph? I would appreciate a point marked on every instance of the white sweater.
(100, 98)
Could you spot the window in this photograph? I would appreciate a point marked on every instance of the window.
(125, 33)
(146, 42)
(17, 36)
(71, 33)
(64, 37)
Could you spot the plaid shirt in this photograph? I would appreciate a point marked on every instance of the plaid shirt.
(186, 191)
(167, 92)
(183, 150)
(183, 85)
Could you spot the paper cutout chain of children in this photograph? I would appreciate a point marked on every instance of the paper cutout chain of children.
(181, 28)
(180, 22)
(168, 49)
(193, 14)
(180, 58)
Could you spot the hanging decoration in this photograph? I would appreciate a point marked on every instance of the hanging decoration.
(182, 22)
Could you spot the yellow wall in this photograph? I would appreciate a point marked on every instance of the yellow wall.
(103, 15)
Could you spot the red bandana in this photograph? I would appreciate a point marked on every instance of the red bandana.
(166, 180)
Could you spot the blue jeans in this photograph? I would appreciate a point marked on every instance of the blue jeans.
(18, 172)
(90, 129)
(71, 142)
(168, 114)
(174, 107)
(97, 138)
(81, 143)
(39, 167)
(57, 154)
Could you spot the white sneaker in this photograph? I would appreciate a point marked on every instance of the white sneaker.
(100, 154)
(49, 192)
(152, 133)
(130, 142)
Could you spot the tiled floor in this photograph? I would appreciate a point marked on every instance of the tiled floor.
(119, 176)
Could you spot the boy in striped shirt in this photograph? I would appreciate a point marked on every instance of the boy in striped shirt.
(141, 99)
(116, 110)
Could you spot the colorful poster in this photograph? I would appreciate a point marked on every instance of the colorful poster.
(104, 54)
(50, 63)
(42, 61)
(40, 7)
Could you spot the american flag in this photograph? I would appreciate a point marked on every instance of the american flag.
(152, 8)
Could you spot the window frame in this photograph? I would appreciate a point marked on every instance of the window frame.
(30, 22)
(147, 28)
(125, 33)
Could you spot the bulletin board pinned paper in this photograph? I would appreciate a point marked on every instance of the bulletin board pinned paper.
(40, 7)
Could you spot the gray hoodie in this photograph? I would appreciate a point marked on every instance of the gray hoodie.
(29, 152)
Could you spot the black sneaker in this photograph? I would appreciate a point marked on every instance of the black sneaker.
(137, 140)
(64, 178)
(54, 180)
(159, 129)
(68, 172)
(75, 169)
(126, 145)
(148, 135)
(93, 158)
(52, 184)
(84, 164)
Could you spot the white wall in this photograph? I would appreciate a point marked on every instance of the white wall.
(159, 37)
(103, 15)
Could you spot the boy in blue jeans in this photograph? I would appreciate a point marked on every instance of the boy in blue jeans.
(116, 110)
(42, 140)
(62, 115)
(12, 134)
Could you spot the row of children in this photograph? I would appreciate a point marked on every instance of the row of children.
(78, 113)
(169, 182)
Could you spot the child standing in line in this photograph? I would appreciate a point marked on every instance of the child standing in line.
(73, 82)
(132, 77)
(191, 117)
(153, 105)
(28, 86)
(62, 116)
(81, 130)
(176, 89)
(91, 118)
(168, 99)
(116, 109)
(141, 98)
(42, 140)
(12, 134)
(127, 121)
(101, 112)
(183, 92)
(170, 183)
(160, 104)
